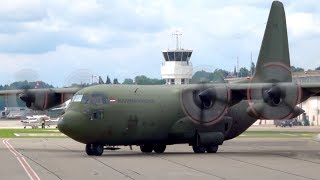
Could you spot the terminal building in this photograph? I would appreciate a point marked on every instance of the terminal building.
(177, 68)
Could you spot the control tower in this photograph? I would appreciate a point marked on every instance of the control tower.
(177, 68)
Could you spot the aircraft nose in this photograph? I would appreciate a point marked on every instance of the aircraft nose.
(67, 124)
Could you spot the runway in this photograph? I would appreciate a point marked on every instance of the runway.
(63, 158)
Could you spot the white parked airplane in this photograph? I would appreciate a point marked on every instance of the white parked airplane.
(39, 120)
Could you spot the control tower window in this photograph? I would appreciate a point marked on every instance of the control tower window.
(185, 56)
(178, 56)
(165, 55)
(171, 56)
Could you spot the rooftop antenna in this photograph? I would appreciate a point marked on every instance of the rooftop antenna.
(177, 34)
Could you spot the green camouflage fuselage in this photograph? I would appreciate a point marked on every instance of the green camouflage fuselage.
(136, 114)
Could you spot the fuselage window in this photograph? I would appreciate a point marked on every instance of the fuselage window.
(97, 115)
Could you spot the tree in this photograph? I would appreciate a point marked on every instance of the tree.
(143, 80)
(100, 80)
(218, 75)
(115, 81)
(128, 81)
(252, 68)
(297, 69)
(235, 71)
(201, 77)
(108, 81)
(243, 72)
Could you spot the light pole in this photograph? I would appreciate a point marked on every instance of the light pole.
(92, 76)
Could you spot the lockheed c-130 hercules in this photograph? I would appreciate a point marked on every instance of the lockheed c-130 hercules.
(201, 115)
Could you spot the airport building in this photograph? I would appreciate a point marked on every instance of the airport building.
(177, 68)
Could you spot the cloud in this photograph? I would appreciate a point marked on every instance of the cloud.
(20, 11)
(124, 38)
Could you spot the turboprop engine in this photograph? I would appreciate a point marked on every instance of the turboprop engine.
(41, 100)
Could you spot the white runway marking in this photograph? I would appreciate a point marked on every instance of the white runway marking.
(32, 175)
(288, 134)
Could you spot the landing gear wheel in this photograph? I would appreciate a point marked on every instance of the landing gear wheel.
(212, 148)
(198, 149)
(94, 149)
(159, 148)
(97, 149)
(146, 148)
(89, 149)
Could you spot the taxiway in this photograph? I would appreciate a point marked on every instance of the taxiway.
(242, 158)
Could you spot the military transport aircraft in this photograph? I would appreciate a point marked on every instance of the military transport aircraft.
(201, 115)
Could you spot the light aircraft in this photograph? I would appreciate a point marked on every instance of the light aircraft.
(38, 120)
(201, 115)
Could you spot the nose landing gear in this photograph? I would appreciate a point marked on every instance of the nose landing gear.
(94, 149)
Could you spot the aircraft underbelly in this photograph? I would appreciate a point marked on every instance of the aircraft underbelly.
(241, 120)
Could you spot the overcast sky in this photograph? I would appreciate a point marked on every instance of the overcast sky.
(62, 41)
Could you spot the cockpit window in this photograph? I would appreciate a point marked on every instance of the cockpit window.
(94, 99)
(77, 98)
(98, 99)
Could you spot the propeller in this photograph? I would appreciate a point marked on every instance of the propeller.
(24, 75)
(28, 98)
(208, 99)
(272, 97)
(29, 95)
(206, 104)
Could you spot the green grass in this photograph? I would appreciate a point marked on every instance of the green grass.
(54, 133)
(9, 133)
(277, 134)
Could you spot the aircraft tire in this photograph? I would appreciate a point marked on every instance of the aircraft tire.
(146, 148)
(199, 149)
(212, 148)
(159, 148)
(89, 149)
(97, 149)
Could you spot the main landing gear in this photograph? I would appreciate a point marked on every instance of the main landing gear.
(157, 148)
(202, 148)
(94, 149)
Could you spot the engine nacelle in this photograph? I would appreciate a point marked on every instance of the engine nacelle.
(274, 100)
(41, 99)
(205, 105)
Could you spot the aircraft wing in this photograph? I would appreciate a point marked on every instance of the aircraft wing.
(41, 99)
(312, 88)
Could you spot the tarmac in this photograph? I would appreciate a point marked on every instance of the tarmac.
(240, 158)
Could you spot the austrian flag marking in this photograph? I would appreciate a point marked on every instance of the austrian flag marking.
(112, 100)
